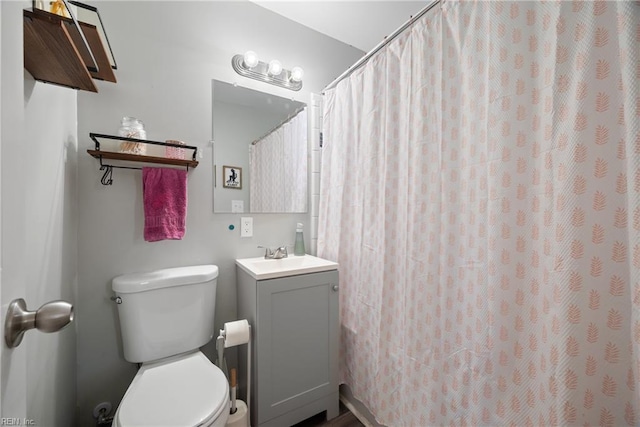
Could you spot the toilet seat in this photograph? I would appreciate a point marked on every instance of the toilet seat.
(186, 390)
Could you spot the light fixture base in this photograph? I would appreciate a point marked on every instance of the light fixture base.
(261, 72)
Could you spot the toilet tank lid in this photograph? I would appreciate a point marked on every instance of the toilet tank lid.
(165, 278)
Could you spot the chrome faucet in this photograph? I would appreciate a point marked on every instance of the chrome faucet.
(277, 253)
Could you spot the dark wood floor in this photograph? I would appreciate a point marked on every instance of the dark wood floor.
(345, 419)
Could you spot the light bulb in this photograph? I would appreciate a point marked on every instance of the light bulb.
(250, 59)
(296, 74)
(275, 67)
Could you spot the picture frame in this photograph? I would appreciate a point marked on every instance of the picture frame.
(232, 177)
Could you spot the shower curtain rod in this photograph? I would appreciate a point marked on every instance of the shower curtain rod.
(380, 45)
(284, 122)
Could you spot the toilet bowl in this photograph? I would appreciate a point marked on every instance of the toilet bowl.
(180, 391)
(165, 317)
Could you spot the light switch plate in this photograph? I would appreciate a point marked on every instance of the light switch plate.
(246, 226)
(237, 206)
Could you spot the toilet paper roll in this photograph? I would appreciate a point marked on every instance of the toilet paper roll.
(236, 333)
(240, 418)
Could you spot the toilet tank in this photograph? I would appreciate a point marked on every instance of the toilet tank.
(166, 312)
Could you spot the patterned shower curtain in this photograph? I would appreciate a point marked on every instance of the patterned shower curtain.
(480, 188)
(278, 168)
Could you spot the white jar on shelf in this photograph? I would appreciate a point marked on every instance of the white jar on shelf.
(130, 127)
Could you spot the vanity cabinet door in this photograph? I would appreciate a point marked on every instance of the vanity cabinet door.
(297, 347)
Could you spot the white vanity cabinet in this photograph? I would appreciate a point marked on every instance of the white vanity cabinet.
(294, 321)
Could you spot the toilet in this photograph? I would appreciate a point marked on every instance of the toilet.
(165, 317)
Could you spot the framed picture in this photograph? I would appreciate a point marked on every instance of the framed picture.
(232, 177)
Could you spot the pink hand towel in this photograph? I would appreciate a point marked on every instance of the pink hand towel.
(165, 203)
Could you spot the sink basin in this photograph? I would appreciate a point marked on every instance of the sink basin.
(261, 268)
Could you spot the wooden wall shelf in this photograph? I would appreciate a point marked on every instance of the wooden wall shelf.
(55, 53)
(100, 154)
(111, 155)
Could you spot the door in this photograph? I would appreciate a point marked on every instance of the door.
(12, 284)
(38, 231)
(297, 342)
(3, 308)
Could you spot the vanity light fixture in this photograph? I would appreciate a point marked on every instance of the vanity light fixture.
(275, 67)
(250, 59)
(296, 74)
(248, 65)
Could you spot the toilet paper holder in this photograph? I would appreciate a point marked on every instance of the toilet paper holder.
(234, 334)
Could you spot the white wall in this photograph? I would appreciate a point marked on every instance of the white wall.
(167, 54)
(39, 224)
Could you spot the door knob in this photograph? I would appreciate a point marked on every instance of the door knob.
(51, 317)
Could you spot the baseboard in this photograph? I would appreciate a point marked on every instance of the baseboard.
(355, 412)
(359, 410)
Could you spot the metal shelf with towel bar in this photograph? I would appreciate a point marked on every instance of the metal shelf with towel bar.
(122, 156)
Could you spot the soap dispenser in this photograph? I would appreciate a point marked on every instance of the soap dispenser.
(298, 249)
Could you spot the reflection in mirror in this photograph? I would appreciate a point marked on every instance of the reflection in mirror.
(263, 139)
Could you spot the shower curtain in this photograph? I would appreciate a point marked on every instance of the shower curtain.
(480, 188)
(278, 168)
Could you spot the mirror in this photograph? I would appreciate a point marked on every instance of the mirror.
(259, 152)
